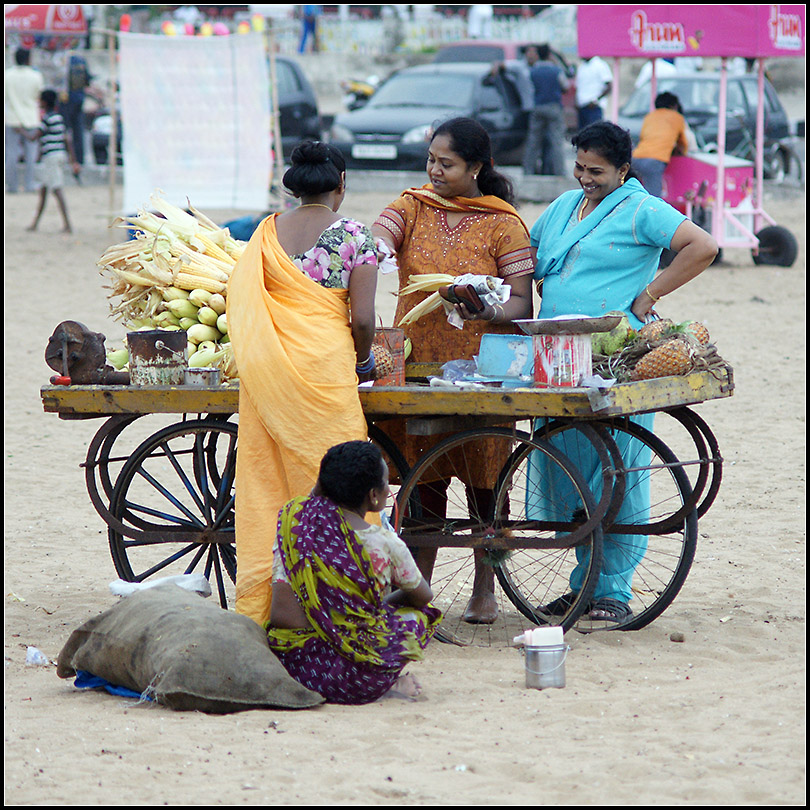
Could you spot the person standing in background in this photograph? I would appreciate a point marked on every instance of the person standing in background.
(664, 132)
(23, 86)
(546, 122)
(72, 103)
(55, 151)
(594, 81)
(309, 27)
(479, 21)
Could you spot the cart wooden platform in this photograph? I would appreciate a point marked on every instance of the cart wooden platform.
(572, 462)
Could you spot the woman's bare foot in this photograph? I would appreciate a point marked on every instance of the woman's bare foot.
(405, 687)
(481, 609)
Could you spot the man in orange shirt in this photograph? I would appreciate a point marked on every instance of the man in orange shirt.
(663, 133)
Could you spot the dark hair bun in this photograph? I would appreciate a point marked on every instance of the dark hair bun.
(315, 168)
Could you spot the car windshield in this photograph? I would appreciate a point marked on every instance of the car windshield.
(428, 90)
(695, 96)
(471, 53)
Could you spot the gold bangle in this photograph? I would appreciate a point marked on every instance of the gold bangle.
(651, 296)
(495, 309)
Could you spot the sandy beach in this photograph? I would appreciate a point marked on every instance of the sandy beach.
(717, 719)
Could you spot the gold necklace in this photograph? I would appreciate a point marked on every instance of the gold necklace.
(316, 205)
(582, 210)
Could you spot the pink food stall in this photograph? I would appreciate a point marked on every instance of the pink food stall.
(725, 190)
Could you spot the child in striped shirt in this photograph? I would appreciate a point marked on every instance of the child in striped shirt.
(55, 149)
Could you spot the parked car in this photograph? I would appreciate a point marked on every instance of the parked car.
(699, 94)
(481, 50)
(392, 130)
(506, 52)
(299, 118)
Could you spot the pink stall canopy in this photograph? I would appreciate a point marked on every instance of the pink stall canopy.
(56, 20)
(647, 31)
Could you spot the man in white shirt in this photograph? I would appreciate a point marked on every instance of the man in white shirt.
(23, 86)
(594, 80)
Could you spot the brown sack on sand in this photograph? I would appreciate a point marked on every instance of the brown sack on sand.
(186, 653)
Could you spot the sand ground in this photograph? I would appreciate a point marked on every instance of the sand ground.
(715, 720)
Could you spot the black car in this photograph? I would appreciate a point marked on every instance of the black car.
(699, 95)
(298, 113)
(392, 130)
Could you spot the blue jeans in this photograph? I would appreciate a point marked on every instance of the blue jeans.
(651, 174)
(545, 138)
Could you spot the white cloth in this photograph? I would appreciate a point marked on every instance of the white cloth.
(23, 85)
(662, 68)
(196, 120)
(479, 21)
(593, 76)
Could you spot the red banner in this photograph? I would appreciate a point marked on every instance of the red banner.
(45, 20)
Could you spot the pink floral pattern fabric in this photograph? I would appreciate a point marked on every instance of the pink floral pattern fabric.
(340, 248)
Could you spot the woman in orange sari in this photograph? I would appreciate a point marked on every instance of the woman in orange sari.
(462, 221)
(301, 322)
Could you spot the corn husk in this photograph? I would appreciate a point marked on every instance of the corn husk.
(427, 282)
(171, 272)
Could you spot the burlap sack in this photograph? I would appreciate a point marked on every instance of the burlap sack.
(187, 654)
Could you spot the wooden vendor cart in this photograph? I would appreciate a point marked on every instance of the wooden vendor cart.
(167, 495)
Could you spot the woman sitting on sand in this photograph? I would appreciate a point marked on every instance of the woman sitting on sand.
(331, 624)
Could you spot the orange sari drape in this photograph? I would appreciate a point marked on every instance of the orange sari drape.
(298, 397)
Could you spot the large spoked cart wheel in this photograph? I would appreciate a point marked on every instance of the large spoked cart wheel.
(172, 506)
(170, 503)
(651, 528)
(460, 529)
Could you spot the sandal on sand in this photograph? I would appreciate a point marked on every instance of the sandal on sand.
(613, 611)
(559, 606)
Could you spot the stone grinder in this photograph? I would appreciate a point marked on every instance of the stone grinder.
(78, 357)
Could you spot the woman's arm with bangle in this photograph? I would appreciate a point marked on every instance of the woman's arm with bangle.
(695, 249)
(362, 289)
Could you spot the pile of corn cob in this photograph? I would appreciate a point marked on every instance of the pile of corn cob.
(173, 275)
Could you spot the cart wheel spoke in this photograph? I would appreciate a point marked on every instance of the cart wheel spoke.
(655, 532)
(549, 503)
(174, 497)
(460, 522)
(170, 560)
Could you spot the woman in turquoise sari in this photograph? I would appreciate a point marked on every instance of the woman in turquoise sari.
(598, 251)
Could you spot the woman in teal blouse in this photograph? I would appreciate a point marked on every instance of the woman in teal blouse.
(598, 251)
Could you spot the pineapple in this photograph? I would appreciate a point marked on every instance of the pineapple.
(383, 361)
(671, 358)
(697, 330)
(655, 330)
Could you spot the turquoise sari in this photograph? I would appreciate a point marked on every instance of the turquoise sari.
(593, 267)
(602, 263)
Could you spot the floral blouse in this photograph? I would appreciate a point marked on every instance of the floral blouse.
(340, 248)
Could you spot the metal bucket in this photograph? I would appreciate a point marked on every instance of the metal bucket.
(157, 357)
(545, 666)
(203, 377)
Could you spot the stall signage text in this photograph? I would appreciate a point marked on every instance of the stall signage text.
(659, 36)
(785, 30)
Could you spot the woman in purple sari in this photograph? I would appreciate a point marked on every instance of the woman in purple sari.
(350, 608)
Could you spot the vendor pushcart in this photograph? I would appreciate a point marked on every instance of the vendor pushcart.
(168, 500)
